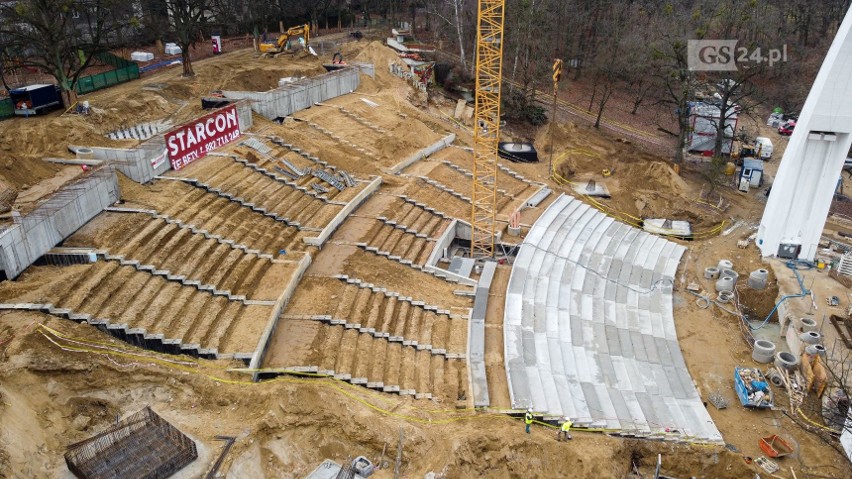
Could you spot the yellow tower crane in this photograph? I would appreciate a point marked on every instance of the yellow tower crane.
(489, 63)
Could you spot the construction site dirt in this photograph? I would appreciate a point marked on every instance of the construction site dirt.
(361, 337)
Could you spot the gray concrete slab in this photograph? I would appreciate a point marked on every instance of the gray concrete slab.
(589, 326)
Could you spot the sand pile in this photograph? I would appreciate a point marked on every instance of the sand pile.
(653, 175)
(642, 185)
(266, 78)
(378, 54)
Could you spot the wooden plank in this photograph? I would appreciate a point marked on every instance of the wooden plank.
(844, 329)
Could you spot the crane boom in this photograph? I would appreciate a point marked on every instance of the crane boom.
(489, 63)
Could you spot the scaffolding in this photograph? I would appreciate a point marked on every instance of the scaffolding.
(143, 445)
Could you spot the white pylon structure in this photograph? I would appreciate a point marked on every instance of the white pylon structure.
(807, 177)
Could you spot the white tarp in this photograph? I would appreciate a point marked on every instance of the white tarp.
(704, 119)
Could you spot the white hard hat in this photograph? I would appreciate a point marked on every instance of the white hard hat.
(565, 418)
(529, 409)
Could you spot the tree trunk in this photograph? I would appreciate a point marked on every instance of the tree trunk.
(721, 125)
(682, 137)
(187, 62)
(69, 97)
(460, 33)
(637, 101)
(602, 103)
(594, 94)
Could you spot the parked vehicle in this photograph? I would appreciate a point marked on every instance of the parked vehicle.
(787, 128)
(35, 99)
(764, 147)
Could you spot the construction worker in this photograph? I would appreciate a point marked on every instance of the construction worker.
(564, 430)
(528, 419)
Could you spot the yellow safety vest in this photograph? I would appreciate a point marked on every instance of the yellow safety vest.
(566, 426)
(528, 418)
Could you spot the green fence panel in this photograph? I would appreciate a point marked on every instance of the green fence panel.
(6, 108)
(124, 71)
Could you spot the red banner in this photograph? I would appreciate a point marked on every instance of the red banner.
(194, 140)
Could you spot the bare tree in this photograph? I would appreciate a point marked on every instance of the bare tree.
(612, 65)
(451, 13)
(677, 83)
(187, 18)
(735, 96)
(61, 37)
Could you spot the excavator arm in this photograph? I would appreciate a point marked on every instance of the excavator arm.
(304, 30)
(281, 44)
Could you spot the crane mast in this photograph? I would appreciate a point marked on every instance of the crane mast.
(489, 62)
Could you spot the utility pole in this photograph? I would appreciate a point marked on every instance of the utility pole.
(557, 75)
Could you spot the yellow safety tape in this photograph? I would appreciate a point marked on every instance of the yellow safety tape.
(324, 381)
(183, 368)
(815, 424)
(626, 217)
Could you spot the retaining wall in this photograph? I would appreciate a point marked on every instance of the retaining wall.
(439, 249)
(31, 236)
(149, 159)
(425, 152)
(346, 211)
(263, 344)
(476, 338)
(292, 97)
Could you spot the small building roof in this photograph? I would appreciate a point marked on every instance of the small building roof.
(753, 164)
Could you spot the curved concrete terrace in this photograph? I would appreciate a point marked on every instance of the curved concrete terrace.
(589, 328)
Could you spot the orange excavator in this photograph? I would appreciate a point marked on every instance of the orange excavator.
(284, 44)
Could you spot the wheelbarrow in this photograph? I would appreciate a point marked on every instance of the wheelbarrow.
(775, 446)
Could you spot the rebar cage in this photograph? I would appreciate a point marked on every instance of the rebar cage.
(143, 445)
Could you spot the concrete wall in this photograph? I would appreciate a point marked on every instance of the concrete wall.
(290, 98)
(423, 153)
(444, 241)
(476, 338)
(149, 159)
(72, 206)
(262, 345)
(362, 196)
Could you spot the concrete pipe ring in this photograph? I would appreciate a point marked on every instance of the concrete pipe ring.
(711, 273)
(811, 337)
(763, 352)
(731, 273)
(764, 347)
(725, 296)
(814, 349)
(757, 279)
(725, 264)
(808, 324)
(85, 153)
(785, 360)
(725, 283)
(776, 381)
